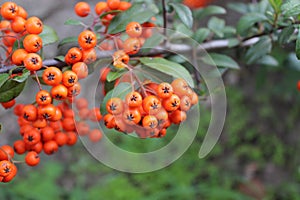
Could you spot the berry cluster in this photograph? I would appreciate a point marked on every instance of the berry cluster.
(150, 115)
(50, 122)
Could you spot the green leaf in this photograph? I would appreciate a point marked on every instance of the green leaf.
(247, 21)
(184, 13)
(298, 44)
(49, 35)
(268, 61)
(152, 42)
(216, 25)
(68, 40)
(109, 12)
(171, 68)
(113, 75)
(10, 90)
(138, 13)
(276, 4)
(60, 58)
(23, 77)
(3, 78)
(220, 60)
(119, 91)
(201, 34)
(74, 22)
(291, 8)
(258, 50)
(209, 10)
(286, 34)
(182, 31)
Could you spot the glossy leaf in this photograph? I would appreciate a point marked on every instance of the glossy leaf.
(138, 12)
(73, 22)
(258, 50)
(68, 40)
(209, 10)
(113, 75)
(201, 34)
(49, 35)
(220, 60)
(298, 44)
(285, 35)
(216, 25)
(23, 77)
(10, 90)
(247, 21)
(184, 13)
(3, 78)
(171, 68)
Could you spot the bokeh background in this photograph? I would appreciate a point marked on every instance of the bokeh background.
(257, 156)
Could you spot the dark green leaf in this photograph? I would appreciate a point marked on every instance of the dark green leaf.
(113, 75)
(184, 13)
(10, 90)
(68, 40)
(268, 61)
(182, 31)
(285, 35)
(209, 10)
(220, 60)
(177, 58)
(201, 34)
(258, 50)
(110, 12)
(3, 78)
(216, 25)
(23, 77)
(138, 12)
(298, 44)
(247, 21)
(119, 91)
(171, 68)
(276, 4)
(73, 22)
(49, 35)
(291, 8)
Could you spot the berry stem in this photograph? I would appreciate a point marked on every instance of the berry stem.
(38, 80)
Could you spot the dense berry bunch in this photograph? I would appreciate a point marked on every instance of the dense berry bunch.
(150, 114)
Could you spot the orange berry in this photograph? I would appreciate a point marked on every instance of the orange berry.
(81, 69)
(95, 135)
(100, 7)
(6, 152)
(32, 43)
(87, 39)
(8, 104)
(134, 29)
(9, 10)
(113, 4)
(59, 92)
(18, 24)
(32, 158)
(18, 56)
(33, 62)
(52, 76)
(82, 9)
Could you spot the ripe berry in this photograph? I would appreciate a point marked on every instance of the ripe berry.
(18, 56)
(82, 9)
(298, 85)
(100, 7)
(32, 43)
(178, 116)
(185, 103)
(43, 97)
(69, 78)
(32, 158)
(131, 45)
(172, 103)
(5, 168)
(81, 69)
(47, 111)
(132, 116)
(52, 76)
(11, 174)
(34, 25)
(150, 121)
(114, 106)
(9, 10)
(74, 55)
(8, 104)
(29, 112)
(113, 4)
(50, 147)
(33, 62)
(164, 90)
(18, 24)
(151, 104)
(133, 99)
(19, 146)
(6, 152)
(32, 137)
(87, 39)
(134, 29)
